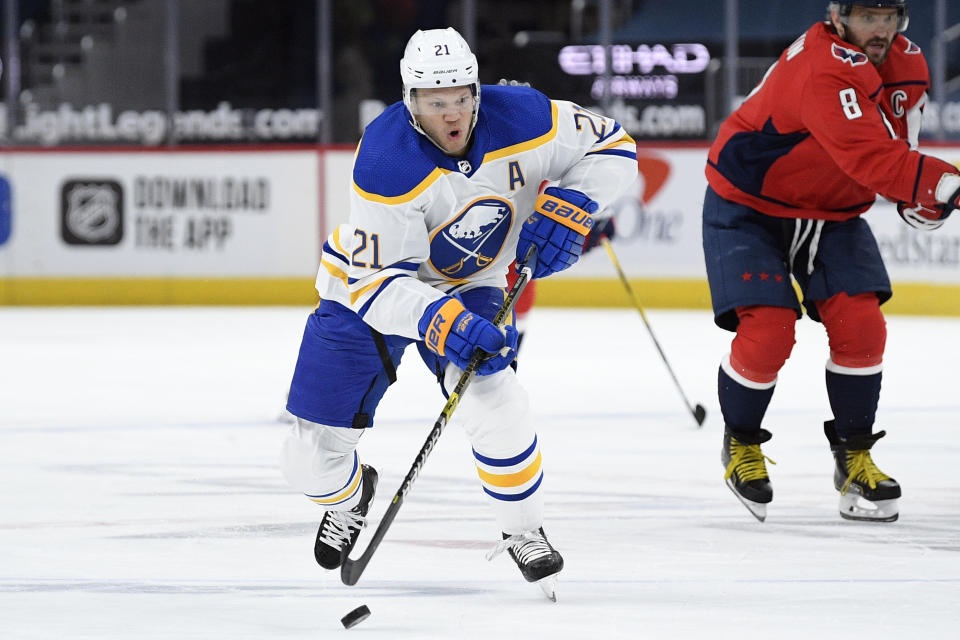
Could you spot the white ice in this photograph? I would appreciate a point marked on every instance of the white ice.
(140, 495)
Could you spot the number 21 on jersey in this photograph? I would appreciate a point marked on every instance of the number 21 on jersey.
(374, 244)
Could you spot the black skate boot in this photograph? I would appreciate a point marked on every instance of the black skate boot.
(866, 493)
(745, 470)
(537, 559)
(340, 529)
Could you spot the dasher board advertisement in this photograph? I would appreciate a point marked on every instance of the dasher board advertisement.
(116, 214)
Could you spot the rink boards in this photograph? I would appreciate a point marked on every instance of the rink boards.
(243, 225)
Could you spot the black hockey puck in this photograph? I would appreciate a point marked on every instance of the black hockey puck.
(356, 616)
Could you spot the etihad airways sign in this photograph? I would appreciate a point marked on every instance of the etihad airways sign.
(642, 72)
(581, 60)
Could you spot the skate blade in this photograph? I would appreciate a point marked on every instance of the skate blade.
(854, 507)
(549, 586)
(757, 509)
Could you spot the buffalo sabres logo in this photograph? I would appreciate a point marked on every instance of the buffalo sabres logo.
(855, 58)
(473, 239)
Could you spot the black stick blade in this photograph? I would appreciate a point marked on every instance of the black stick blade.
(699, 414)
(350, 572)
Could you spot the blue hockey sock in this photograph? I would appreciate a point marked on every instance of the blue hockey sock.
(743, 408)
(853, 400)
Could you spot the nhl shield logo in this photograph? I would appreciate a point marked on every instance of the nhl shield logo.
(91, 212)
(855, 58)
(473, 239)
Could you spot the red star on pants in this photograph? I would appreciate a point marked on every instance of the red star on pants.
(746, 276)
(764, 276)
(778, 278)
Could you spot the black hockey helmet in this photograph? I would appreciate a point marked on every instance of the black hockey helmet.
(844, 7)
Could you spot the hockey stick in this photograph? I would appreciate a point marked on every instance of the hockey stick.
(698, 412)
(350, 570)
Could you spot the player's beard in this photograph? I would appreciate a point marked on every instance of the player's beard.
(886, 44)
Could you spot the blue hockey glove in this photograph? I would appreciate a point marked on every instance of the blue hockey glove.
(449, 330)
(924, 218)
(601, 229)
(559, 224)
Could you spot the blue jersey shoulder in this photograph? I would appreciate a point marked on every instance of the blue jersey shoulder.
(390, 161)
(394, 158)
(513, 115)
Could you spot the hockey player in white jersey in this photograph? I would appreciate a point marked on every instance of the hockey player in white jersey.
(444, 198)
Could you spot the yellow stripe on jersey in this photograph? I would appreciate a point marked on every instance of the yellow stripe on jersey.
(529, 144)
(346, 493)
(335, 236)
(624, 140)
(356, 294)
(334, 271)
(512, 479)
(405, 197)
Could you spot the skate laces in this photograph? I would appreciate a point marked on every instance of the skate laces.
(861, 467)
(747, 460)
(527, 546)
(339, 526)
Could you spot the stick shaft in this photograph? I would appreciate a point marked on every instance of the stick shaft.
(698, 412)
(351, 569)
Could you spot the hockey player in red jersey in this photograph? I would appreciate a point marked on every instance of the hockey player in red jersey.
(833, 123)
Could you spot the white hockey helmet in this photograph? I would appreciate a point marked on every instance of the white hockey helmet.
(435, 59)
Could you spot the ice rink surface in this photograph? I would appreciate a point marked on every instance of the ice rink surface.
(140, 493)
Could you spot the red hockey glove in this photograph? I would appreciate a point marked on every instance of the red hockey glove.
(923, 218)
(948, 192)
(601, 229)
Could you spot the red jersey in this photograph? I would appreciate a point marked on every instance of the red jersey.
(825, 131)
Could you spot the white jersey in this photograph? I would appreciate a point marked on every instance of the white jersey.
(424, 224)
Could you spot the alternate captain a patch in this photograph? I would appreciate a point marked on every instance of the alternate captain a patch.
(473, 239)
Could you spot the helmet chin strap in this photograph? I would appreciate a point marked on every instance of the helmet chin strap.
(419, 129)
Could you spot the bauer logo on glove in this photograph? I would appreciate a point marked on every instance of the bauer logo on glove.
(564, 213)
(561, 220)
(441, 319)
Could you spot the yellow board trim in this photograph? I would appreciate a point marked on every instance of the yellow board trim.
(512, 479)
(158, 291)
(529, 144)
(432, 177)
(909, 298)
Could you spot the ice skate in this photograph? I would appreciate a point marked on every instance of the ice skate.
(866, 493)
(745, 470)
(339, 530)
(537, 559)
